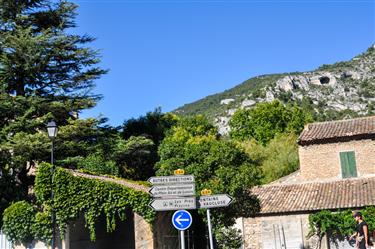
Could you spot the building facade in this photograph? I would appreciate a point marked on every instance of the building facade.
(337, 171)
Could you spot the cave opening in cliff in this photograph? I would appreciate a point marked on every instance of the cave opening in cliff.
(324, 80)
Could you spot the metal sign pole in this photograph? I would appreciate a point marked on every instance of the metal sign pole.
(210, 229)
(182, 239)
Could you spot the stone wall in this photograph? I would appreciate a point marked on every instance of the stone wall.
(322, 161)
(284, 232)
(143, 234)
(278, 232)
(33, 245)
(60, 244)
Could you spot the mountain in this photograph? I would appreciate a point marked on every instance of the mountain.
(337, 91)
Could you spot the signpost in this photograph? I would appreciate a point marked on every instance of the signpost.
(175, 193)
(210, 229)
(177, 179)
(178, 192)
(212, 201)
(173, 203)
(173, 190)
(182, 220)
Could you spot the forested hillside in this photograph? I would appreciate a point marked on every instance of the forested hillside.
(341, 90)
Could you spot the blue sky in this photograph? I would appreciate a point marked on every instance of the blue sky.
(169, 53)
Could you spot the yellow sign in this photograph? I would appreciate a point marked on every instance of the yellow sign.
(206, 192)
(179, 172)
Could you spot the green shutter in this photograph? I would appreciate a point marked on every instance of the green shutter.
(348, 165)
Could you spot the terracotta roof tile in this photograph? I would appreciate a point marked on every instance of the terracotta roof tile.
(348, 193)
(358, 128)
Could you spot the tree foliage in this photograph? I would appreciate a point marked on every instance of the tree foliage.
(97, 163)
(45, 73)
(153, 125)
(266, 120)
(137, 154)
(228, 238)
(278, 158)
(194, 145)
(338, 225)
(18, 222)
(136, 157)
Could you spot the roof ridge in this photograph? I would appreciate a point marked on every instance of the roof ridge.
(342, 120)
(313, 196)
(338, 130)
(273, 184)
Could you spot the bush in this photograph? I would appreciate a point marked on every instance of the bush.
(96, 163)
(18, 221)
(338, 225)
(228, 238)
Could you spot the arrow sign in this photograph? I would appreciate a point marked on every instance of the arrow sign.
(178, 179)
(173, 190)
(182, 220)
(179, 220)
(213, 201)
(173, 204)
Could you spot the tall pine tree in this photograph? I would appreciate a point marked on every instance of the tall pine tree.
(45, 73)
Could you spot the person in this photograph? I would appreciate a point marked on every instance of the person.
(361, 232)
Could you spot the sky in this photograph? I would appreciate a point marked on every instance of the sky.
(169, 53)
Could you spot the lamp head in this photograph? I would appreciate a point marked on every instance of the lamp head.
(52, 129)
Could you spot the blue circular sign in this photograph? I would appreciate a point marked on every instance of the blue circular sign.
(182, 220)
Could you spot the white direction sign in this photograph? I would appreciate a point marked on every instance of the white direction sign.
(213, 201)
(177, 179)
(173, 204)
(172, 190)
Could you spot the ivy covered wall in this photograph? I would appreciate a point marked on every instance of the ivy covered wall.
(73, 196)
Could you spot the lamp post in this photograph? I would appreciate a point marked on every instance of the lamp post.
(52, 133)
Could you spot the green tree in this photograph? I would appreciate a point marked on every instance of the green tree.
(136, 157)
(137, 154)
(153, 125)
(194, 145)
(266, 120)
(45, 73)
(278, 158)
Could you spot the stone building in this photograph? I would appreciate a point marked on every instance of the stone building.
(337, 171)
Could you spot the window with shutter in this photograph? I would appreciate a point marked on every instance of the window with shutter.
(348, 164)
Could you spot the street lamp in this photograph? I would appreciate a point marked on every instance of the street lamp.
(52, 130)
(52, 133)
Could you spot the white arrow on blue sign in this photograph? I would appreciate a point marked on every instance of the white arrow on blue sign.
(182, 220)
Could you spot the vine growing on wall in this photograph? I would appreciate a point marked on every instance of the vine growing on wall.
(338, 225)
(73, 196)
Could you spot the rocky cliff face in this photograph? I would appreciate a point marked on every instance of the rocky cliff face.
(344, 89)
